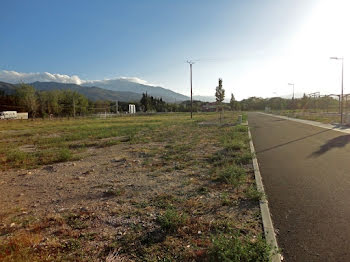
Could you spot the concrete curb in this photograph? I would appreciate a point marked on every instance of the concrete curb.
(264, 207)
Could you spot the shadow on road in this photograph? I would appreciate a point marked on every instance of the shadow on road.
(277, 120)
(292, 141)
(340, 126)
(339, 141)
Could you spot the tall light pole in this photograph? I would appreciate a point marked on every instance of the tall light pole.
(342, 87)
(292, 84)
(191, 63)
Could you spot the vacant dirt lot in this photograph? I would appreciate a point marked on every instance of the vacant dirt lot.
(181, 191)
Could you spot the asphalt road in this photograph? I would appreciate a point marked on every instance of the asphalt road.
(306, 174)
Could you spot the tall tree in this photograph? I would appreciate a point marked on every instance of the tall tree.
(220, 95)
(232, 102)
(27, 98)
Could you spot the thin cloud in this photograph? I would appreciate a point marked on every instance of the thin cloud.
(129, 79)
(14, 77)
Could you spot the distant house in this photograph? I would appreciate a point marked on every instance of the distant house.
(209, 107)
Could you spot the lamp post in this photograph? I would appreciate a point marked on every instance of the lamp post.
(191, 63)
(342, 87)
(292, 84)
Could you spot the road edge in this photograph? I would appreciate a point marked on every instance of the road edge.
(269, 230)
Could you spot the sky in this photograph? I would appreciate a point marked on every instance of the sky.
(257, 46)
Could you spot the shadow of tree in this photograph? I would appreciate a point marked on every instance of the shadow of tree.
(340, 141)
(292, 141)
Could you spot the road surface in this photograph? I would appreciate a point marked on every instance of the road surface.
(306, 174)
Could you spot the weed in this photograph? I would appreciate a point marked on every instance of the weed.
(243, 158)
(20, 248)
(171, 220)
(63, 154)
(75, 221)
(225, 199)
(241, 128)
(241, 249)
(164, 201)
(112, 192)
(232, 174)
(203, 190)
(253, 194)
(234, 145)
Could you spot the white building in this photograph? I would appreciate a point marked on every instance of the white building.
(132, 109)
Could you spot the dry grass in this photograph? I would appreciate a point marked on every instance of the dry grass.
(172, 194)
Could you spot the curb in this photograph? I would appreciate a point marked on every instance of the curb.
(264, 207)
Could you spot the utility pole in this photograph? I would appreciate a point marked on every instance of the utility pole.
(191, 63)
(116, 106)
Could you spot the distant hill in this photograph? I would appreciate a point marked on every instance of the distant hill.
(205, 98)
(92, 93)
(209, 99)
(127, 85)
(118, 89)
(9, 89)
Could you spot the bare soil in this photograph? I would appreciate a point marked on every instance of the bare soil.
(108, 205)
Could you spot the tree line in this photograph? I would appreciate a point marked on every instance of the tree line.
(54, 103)
(68, 103)
(324, 103)
(71, 103)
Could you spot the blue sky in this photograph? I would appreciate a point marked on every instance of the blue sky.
(256, 46)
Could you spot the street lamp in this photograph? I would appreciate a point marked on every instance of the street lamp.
(342, 86)
(191, 63)
(290, 84)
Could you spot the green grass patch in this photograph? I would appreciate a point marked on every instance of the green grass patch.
(234, 248)
(232, 174)
(171, 220)
(252, 193)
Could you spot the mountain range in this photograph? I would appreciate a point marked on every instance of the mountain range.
(126, 85)
(117, 89)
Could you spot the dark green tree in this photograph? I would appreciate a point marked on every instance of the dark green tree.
(220, 96)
